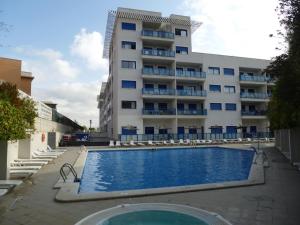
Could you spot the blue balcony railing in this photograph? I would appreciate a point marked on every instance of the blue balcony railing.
(159, 34)
(254, 78)
(191, 93)
(154, 52)
(192, 112)
(193, 74)
(254, 113)
(162, 72)
(157, 91)
(254, 95)
(159, 111)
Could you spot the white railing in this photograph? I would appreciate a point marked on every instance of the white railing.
(43, 110)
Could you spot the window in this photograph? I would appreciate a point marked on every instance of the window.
(229, 71)
(149, 105)
(128, 45)
(215, 88)
(128, 26)
(182, 50)
(215, 106)
(179, 70)
(163, 131)
(231, 129)
(180, 106)
(128, 130)
(181, 32)
(230, 106)
(162, 86)
(229, 89)
(214, 70)
(180, 130)
(149, 130)
(128, 84)
(128, 104)
(128, 64)
(149, 86)
(162, 106)
(179, 87)
(192, 130)
(216, 130)
(192, 106)
(252, 129)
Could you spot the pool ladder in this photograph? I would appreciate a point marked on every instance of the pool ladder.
(72, 170)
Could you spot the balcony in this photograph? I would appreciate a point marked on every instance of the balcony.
(257, 95)
(190, 74)
(252, 78)
(160, 112)
(254, 114)
(159, 72)
(188, 92)
(161, 53)
(157, 91)
(202, 112)
(157, 34)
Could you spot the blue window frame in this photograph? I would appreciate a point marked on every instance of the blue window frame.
(180, 130)
(214, 70)
(228, 71)
(231, 129)
(129, 84)
(217, 130)
(229, 89)
(149, 130)
(182, 50)
(128, 44)
(192, 130)
(149, 105)
(181, 32)
(230, 106)
(128, 131)
(215, 88)
(180, 106)
(128, 26)
(215, 106)
(149, 86)
(252, 129)
(163, 131)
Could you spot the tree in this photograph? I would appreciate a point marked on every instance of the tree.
(284, 107)
(16, 114)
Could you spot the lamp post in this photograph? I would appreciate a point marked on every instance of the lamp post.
(90, 125)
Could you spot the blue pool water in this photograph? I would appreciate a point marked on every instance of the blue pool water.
(140, 169)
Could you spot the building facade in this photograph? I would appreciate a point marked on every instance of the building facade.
(158, 85)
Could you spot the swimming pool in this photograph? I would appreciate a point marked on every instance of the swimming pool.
(119, 170)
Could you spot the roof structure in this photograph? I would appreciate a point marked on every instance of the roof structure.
(112, 15)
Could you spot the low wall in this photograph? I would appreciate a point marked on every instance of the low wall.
(288, 142)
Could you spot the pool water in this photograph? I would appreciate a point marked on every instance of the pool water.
(153, 217)
(114, 170)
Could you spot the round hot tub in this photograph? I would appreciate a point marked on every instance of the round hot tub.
(153, 214)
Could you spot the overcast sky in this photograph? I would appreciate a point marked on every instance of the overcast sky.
(61, 41)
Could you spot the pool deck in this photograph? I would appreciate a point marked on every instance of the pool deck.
(277, 202)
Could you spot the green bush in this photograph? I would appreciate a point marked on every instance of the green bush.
(16, 114)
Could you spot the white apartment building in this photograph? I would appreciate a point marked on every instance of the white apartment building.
(158, 86)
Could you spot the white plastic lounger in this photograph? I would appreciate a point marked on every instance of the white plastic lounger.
(131, 143)
(3, 191)
(181, 142)
(32, 160)
(208, 141)
(9, 183)
(172, 142)
(49, 149)
(188, 141)
(125, 144)
(25, 167)
(34, 163)
(150, 142)
(118, 144)
(39, 156)
(140, 144)
(22, 173)
(111, 143)
(197, 142)
(165, 142)
(45, 152)
(225, 141)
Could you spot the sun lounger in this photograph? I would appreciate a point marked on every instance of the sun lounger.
(25, 167)
(209, 141)
(140, 144)
(45, 152)
(125, 144)
(111, 143)
(172, 142)
(118, 144)
(188, 141)
(165, 142)
(35, 163)
(32, 160)
(40, 156)
(49, 149)
(3, 191)
(131, 143)
(181, 142)
(150, 142)
(9, 183)
(22, 173)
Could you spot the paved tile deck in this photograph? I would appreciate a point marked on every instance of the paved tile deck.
(275, 203)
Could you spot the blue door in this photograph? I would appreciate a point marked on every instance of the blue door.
(127, 131)
(231, 132)
(253, 129)
(180, 130)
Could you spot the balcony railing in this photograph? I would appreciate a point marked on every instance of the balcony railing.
(192, 112)
(157, 91)
(154, 52)
(159, 34)
(162, 72)
(254, 113)
(254, 78)
(194, 74)
(191, 93)
(254, 95)
(159, 111)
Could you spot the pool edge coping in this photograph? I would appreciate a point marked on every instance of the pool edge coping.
(68, 191)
